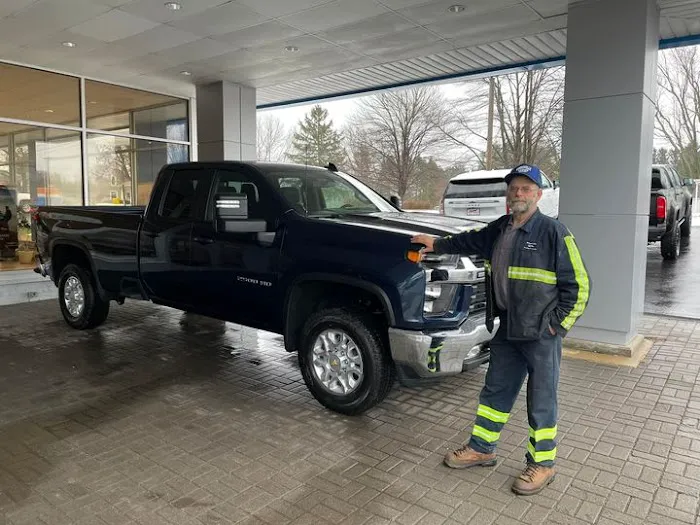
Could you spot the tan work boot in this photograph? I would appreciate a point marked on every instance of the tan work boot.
(533, 479)
(467, 457)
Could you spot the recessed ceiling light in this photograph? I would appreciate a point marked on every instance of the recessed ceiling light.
(455, 8)
(68, 44)
(173, 6)
(48, 111)
(186, 73)
(291, 49)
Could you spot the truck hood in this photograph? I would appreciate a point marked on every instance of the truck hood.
(408, 223)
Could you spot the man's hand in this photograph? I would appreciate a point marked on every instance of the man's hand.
(425, 240)
(552, 331)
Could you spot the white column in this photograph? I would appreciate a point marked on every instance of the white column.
(226, 122)
(610, 101)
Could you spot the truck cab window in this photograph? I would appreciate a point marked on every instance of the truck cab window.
(186, 189)
(239, 182)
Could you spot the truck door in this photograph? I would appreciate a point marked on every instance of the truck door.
(237, 272)
(165, 245)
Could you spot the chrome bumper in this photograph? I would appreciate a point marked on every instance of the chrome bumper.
(431, 354)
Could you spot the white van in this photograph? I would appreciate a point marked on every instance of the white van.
(481, 195)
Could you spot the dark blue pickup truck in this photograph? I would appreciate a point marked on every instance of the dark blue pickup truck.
(307, 252)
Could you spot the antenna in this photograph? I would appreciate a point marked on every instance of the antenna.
(332, 167)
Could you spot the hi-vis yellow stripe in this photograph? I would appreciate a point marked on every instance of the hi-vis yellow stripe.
(543, 433)
(492, 415)
(486, 435)
(582, 281)
(542, 455)
(532, 274)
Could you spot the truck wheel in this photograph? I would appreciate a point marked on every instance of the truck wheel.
(81, 305)
(344, 361)
(671, 244)
(687, 225)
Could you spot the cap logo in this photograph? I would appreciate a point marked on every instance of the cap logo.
(523, 169)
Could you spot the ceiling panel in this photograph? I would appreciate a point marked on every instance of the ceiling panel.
(192, 51)
(220, 20)
(278, 8)
(335, 14)
(259, 35)
(113, 25)
(153, 9)
(368, 29)
(437, 12)
(341, 45)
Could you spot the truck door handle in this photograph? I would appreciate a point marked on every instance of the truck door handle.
(203, 240)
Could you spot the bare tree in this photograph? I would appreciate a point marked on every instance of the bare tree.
(398, 128)
(678, 113)
(272, 138)
(528, 108)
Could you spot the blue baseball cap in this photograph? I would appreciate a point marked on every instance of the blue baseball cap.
(525, 170)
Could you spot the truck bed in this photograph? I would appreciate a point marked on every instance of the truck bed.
(109, 233)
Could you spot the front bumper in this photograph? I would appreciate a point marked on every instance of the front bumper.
(431, 354)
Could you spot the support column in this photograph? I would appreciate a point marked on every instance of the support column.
(610, 102)
(226, 122)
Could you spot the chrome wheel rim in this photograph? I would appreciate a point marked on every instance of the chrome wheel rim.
(337, 362)
(74, 296)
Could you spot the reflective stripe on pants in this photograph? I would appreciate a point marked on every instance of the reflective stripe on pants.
(511, 362)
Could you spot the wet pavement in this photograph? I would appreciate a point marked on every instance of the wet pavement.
(163, 418)
(673, 287)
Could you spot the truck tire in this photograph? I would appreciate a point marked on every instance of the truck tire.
(344, 360)
(671, 244)
(687, 225)
(81, 305)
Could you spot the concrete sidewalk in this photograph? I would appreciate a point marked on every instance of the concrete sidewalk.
(163, 418)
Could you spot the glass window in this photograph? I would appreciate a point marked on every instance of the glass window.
(120, 109)
(317, 191)
(476, 188)
(186, 191)
(259, 202)
(127, 167)
(38, 166)
(546, 183)
(32, 94)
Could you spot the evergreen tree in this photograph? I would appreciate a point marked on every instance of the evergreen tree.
(315, 142)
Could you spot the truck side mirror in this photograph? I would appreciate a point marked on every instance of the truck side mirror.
(555, 183)
(689, 182)
(231, 215)
(395, 200)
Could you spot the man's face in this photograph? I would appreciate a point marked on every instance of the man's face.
(523, 195)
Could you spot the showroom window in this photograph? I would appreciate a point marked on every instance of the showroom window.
(55, 150)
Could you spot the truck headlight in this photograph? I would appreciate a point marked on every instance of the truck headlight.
(438, 298)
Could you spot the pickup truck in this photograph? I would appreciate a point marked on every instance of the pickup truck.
(671, 210)
(307, 252)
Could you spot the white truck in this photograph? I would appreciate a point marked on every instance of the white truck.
(481, 195)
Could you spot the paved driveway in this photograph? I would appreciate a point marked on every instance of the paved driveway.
(163, 418)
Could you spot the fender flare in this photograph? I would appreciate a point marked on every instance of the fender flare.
(57, 243)
(367, 286)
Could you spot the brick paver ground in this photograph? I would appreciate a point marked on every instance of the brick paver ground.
(159, 417)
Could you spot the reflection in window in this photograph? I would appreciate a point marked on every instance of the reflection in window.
(38, 166)
(120, 167)
(120, 109)
(32, 94)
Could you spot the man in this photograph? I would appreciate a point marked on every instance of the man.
(538, 286)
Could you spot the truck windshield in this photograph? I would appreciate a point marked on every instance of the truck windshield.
(321, 192)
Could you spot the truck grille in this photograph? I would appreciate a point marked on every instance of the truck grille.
(478, 303)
